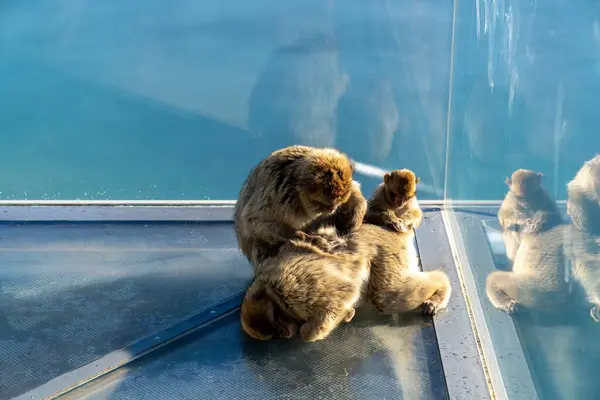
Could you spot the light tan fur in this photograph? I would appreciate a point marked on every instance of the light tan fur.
(527, 208)
(539, 279)
(394, 202)
(583, 207)
(280, 207)
(396, 283)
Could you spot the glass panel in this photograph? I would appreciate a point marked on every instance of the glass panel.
(525, 80)
(177, 100)
(71, 293)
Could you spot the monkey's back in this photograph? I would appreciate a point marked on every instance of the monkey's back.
(306, 280)
(263, 193)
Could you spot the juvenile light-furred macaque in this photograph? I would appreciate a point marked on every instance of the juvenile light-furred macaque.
(396, 284)
(394, 202)
(281, 204)
(527, 208)
(583, 207)
(539, 279)
(290, 189)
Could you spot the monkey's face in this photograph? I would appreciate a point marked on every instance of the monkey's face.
(327, 182)
(401, 186)
(524, 182)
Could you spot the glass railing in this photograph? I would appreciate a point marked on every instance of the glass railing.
(523, 84)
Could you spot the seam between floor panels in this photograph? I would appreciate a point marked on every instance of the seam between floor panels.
(478, 325)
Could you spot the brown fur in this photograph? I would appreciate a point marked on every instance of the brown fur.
(320, 290)
(396, 284)
(317, 289)
(290, 189)
(281, 204)
(394, 203)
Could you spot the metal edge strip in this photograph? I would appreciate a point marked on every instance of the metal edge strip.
(119, 358)
(457, 343)
(469, 293)
(507, 341)
(479, 325)
(123, 212)
(64, 213)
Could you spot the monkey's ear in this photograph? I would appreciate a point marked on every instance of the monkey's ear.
(417, 180)
(508, 181)
(386, 178)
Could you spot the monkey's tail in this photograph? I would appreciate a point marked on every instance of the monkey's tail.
(258, 312)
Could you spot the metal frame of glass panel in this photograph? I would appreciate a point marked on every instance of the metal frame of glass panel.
(468, 359)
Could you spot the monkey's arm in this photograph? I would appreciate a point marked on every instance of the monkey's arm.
(541, 221)
(347, 218)
(412, 218)
(275, 232)
(386, 218)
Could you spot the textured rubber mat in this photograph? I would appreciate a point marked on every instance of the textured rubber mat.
(70, 293)
(373, 357)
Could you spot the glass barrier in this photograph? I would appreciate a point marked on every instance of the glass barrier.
(163, 100)
(524, 82)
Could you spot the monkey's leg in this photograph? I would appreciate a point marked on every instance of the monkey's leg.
(386, 218)
(441, 297)
(428, 289)
(503, 290)
(285, 327)
(321, 325)
(593, 294)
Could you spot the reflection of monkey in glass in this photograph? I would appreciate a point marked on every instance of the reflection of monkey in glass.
(295, 98)
(533, 236)
(583, 207)
(396, 283)
(527, 208)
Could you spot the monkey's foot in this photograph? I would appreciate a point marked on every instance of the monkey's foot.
(512, 307)
(431, 307)
(595, 313)
(350, 315)
(285, 330)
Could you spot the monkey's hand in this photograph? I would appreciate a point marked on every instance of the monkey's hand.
(399, 225)
(512, 307)
(595, 313)
(328, 245)
(349, 216)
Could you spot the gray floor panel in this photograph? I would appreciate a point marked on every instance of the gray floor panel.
(70, 293)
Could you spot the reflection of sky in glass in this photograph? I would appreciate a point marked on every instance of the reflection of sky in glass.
(146, 100)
